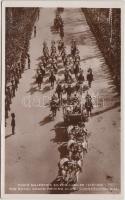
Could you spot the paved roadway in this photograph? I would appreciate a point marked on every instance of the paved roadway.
(32, 153)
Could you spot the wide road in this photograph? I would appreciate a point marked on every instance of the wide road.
(31, 155)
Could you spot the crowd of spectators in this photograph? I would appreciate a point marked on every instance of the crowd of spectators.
(19, 25)
(106, 25)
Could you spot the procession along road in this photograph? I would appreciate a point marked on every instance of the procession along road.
(32, 153)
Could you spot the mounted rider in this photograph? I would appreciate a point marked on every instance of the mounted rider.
(73, 48)
(54, 105)
(39, 79)
(88, 97)
(89, 77)
(81, 78)
(52, 79)
(88, 104)
(60, 46)
(67, 75)
(76, 68)
(54, 65)
(53, 46)
(45, 50)
(59, 90)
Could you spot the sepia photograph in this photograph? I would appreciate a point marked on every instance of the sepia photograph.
(62, 99)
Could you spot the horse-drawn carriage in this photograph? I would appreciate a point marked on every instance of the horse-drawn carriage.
(74, 118)
(74, 112)
(57, 25)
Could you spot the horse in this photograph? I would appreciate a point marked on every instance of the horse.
(54, 105)
(39, 80)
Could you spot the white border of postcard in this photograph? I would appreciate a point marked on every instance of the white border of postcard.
(73, 4)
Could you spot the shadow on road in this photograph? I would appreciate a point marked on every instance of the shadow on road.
(117, 104)
(46, 120)
(47, 74)
(32, 90)
(80, 37)
(39, 58)
(63, 150)
(89, 57)
(46, 89)
(60, 66)
(33, 83)
(60, 133)
(46, 81)
(7, 136)
(61, 72)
